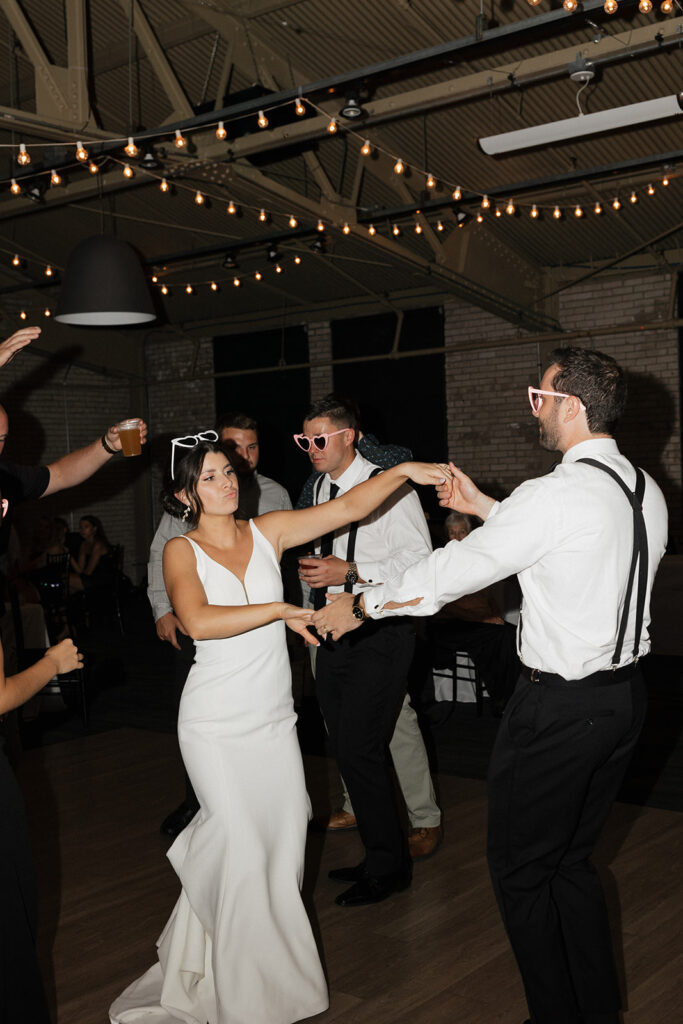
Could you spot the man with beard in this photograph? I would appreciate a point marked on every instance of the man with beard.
(258, 494)
(585, 541)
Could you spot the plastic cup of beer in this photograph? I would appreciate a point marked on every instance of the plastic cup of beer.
(129, 432)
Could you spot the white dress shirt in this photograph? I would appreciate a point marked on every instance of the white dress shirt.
(569, 537)
(260, 495)
(390, 539)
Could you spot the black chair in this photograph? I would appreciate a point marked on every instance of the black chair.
(106, 599)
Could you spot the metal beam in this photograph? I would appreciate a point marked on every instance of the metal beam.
(181, 106)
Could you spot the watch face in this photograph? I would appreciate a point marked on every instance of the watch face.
(358, 612)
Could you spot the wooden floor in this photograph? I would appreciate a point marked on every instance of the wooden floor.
(433, 955)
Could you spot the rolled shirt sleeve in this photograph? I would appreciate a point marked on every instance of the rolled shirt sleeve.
(156, 591)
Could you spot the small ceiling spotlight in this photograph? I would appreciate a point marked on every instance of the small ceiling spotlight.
(150, 161)
(319, 247)
(36, 191)
(272, 253)
(230, 261)
(352, 109)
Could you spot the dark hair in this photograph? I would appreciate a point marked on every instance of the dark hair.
(99, 529)
(596, 379)
(238, 420)
(341, 410)
(187, 470)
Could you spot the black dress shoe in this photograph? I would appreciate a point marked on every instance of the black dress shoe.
(373, 890)
(176, 821)
(347, 874)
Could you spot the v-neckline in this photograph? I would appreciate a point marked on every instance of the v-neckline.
(234, 575)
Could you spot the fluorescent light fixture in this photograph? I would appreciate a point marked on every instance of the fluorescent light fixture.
(584, 124)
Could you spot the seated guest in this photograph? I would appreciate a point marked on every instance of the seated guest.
(94, 566)
(474, 624)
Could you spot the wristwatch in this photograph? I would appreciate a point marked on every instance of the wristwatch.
(356, 609)
(352, 573)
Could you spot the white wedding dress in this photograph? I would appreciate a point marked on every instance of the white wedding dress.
(238, 947)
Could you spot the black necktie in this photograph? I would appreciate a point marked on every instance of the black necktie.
(325, 549)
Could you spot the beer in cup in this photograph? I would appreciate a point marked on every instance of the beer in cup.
(129, 432)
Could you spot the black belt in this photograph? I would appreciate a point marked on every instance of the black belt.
(605, 678)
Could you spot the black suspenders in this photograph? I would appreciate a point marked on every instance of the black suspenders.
(353, 528)
(639, 557)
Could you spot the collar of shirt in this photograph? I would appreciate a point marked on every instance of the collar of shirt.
(358, 471)
(594, 446)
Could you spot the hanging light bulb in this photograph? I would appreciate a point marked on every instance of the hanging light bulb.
(480, 217)
(231, 208)
(221, 133)
(616, 203)
(533, 3)
(262, 120)
(439, 225)
(665, 181)
(396, 230)
(15, 187)
(431, 181)
(320, 225)
(22, 315)
(81, 152)
(297, 260)
(55, 179)
(164, 290)
(372, 230)
(510, 208)
(399, 167)
(164, 185)
(332, 126)
(213, 286)
(49, 271)
(198, 198)
(127, 171)
(534, 212)
(189, 289)
(570, 5)
(610, 6)
(299, 108)
(180, 142)
(557, 213)
(485, 203)
(366, 148)
(457, 193)
(651, 190)
(597, 208)
(633, 198)
(461, 223)
(418, 228)
(278, 268)
(47, 311)
(94, 168)
(258, 275)
(131, 149)
(666, 6)
(293, 222)
(16, 260)
(578, 210)
(236, 282)
(497, 212)
(155, 278)
(346, 228)
(645, 6)
(23, 156)
(263, 216)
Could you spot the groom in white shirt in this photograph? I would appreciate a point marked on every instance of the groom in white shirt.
(585, 541)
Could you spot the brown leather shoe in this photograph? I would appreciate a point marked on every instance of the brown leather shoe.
(341, 821)
(423, 842)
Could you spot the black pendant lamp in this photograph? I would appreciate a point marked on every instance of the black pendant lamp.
(104, 286)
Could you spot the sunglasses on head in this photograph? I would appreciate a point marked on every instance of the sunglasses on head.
(190, 441)
(318, 441)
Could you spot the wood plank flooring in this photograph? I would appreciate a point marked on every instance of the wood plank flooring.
(436, 954)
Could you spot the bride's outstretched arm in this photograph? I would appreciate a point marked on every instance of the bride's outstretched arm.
(290, 529)
(204, 621)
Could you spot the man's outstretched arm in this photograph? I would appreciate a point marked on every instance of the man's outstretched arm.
(74, 468)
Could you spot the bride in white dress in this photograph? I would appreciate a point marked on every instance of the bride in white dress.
(238, 947)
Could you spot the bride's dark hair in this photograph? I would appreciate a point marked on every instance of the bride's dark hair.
(187, 469)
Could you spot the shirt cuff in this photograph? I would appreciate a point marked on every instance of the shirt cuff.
(492, 511)
(160, 604)
(370, 573)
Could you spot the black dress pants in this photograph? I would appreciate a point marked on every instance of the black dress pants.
(557, 765)
(361, 683)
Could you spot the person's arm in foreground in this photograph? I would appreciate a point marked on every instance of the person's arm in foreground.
(16, 690)
(205, 621)
(74, 468)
